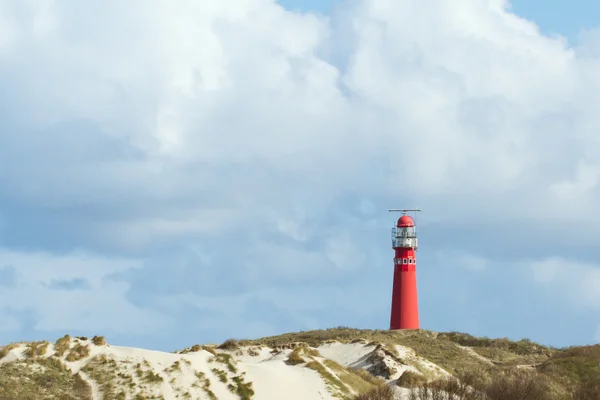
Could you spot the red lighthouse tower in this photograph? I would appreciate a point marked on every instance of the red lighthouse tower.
(405, 306)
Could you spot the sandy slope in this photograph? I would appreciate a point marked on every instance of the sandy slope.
(218, 374)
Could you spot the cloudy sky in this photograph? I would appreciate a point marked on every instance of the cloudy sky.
(175, 173)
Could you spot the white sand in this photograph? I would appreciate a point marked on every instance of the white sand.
(15, 354)
(409, 355)
(271, 377)
(274, 380)
(352, 355)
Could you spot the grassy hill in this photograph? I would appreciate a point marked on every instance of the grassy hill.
(339, 363)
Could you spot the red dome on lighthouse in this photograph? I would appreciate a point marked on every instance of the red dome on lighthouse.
(405, 222)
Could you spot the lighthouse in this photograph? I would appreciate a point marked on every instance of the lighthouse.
(405, 306)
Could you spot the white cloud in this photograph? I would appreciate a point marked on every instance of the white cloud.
(458, 100)
(245, 128)
(576, 281)
(103, 307)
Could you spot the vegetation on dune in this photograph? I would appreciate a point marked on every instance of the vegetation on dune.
(99, 340)
(574, 365)
(78, 352)
(7, 349)
(300, 349)
(410, 379)
(566, 373)
(521, 347)
(503, 352)
(62, 345)
(50, 379)
(225, 359)
(176, 366)
(333, 382)
(220, 374)
(229, 344)
(353, 379)
(113, 383)
(479, 368)
(204, 384)
(295, 357)
(242, 388)
(380, 392)
(36, 349)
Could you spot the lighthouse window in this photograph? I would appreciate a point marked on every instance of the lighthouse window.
(410, 261)
(404, 261)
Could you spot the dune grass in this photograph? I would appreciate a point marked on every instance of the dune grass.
(50, 379)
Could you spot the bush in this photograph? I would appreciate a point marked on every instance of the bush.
(62, 345)
(446, 389)
(78, 352)
(589, 390)
(229, 344)
(381, 392)
(411, 380)
(517, 385)
(99, 340)
(36, 349)
(7, 349)
(295, 358)
(368, 377)
(511, 385)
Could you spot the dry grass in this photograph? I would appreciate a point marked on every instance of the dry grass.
(113, 383)
(146, 374)
(562, 370)
(410, 379)
(521, 347)
(36, 349)
(204, 383)
(225, 359)
(7, 349)
(351, 378)
(242, 388)
(587, 391)
(381, 392)
(219, 373)
(550, 374)
(574, 365)
(317, 337)
(229, 344)
(78, 352)
(99, 341)
(295, 357)
(62, 345)
(507, 385)
(367, 376)
(427, 344)
(50, 380)
(334, 384)
(196, 348)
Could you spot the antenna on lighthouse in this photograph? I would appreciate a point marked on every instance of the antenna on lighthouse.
(404, 210)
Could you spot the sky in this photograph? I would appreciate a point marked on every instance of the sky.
(186, 173)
